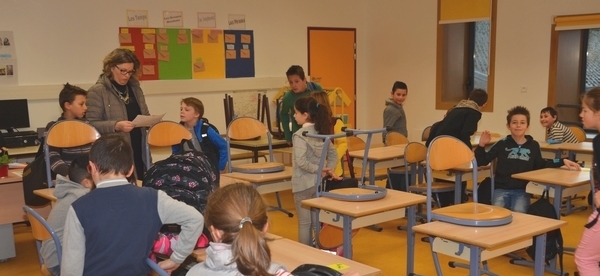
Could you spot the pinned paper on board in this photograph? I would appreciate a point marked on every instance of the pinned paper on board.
(199, 66)
(213, 37)
(149, 53)
(244, 53)
(237, 21)
(246, 39)
(125, 38)
(197, 36)
(162, 38)
(172, 19)
(164, 56)
(230, 54)
(207, 20)
(148, 70)
(229, 38)
(149, 38)
(182, 39)
(137, 18)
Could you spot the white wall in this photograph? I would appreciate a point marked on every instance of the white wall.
(61, 40)
(402, 39)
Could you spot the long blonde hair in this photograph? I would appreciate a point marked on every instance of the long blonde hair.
(241, 213)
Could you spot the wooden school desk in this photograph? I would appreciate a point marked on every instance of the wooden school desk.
(23, 152)
(360, 214)
(48, 193)
(572, 148)
(268, 183)
(255, 146)
(378, 158)
(292, 254)
(521, 228)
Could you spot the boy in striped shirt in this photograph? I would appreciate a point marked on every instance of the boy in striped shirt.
(556, 132)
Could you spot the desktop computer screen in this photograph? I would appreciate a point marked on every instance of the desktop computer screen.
(14, 114)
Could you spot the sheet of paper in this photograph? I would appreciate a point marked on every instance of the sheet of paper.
(16, 165)
(147, 120)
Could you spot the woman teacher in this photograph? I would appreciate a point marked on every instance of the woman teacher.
(116, 99)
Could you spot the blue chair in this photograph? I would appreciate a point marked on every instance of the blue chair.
(42, 231)
(154, 266)
(67, 134)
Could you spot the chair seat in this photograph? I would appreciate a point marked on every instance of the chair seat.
(263, 167)
(474, 212)
(436, 187)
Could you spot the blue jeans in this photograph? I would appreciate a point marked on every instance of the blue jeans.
(515, 200)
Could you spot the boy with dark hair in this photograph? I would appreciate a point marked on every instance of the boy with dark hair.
(394, 117)
(111, 230)
(516, 153)
(461, 121)
(299, 88)
(204, 137)
(72, 100)
(556, 132)
(66, 191)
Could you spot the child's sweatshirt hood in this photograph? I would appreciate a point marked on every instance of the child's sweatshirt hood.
(65, 187)
(392, 103)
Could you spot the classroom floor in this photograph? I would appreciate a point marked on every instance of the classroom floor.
(385, 250)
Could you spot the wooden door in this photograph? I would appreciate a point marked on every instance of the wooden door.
(332, 63)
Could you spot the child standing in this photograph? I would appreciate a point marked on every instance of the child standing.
(556, 132)
(461, 121)
(299, 88)
(73, 102)
(190, 114)
(516, 153)
(307, 153)
(587, 255)
(341, 144)
(393, 114)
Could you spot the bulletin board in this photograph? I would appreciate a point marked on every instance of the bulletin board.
(207, 54)
(174, 54)
(239, 53)
(142, 41)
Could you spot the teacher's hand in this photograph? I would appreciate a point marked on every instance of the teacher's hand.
(124, 126)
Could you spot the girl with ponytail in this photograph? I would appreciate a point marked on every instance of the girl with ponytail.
(314, 118)
(236, 216)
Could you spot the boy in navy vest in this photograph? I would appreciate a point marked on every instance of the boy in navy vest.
(111, 230)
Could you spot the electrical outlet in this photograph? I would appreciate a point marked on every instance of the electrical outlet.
(523, 89)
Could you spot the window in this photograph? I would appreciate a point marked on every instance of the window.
(574, 63)
(465, 51)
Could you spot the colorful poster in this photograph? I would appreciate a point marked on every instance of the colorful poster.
(239, 54)
(207, 54)
(8, 59)
(142, 41)
(174, 53)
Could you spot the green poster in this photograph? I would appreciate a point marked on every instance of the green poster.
(174, 53)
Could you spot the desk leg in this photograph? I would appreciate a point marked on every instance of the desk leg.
(540, 252)
(347, 220)
(410, 240)
(475, 259)
(255, 156)
(458, 188)
(372, 182)
(557, 198)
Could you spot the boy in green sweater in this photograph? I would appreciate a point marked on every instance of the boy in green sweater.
(299, 88)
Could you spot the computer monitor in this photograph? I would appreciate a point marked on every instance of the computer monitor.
(14, 114)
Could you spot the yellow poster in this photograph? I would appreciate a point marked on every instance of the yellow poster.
(208, 54)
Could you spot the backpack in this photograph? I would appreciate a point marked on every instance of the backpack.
(484, 191)
(35, 178)
(315, 270)
(554, 241)
(206, 145)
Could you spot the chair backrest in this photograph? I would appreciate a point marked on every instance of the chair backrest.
(154, 266)
(448, 152)
(425, 134)
(245, 128)
(355, 143)
(415, 152)
(42, 231)
(579, 133)
(395, 138)
(67, 134)
(165, 134)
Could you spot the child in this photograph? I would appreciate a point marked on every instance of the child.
(111, 230)
(72, 101)
(341, 144)
(299, 88)
(587, 255)
(393, 114)
(556, 132)
(67, 190)
(516, 153)
(191, 113)
(236, 216)
(307, 153)
(461, 121)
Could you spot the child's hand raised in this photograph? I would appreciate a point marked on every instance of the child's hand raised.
(485, 138)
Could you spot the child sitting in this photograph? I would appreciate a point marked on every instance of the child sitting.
(191, 113)
(67, 190)
(516, 153)
(556, 132)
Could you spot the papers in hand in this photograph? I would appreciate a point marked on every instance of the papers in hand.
(147, 120)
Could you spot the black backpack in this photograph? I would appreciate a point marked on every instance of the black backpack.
(35, 178)
(315, 270)
(554, 240)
